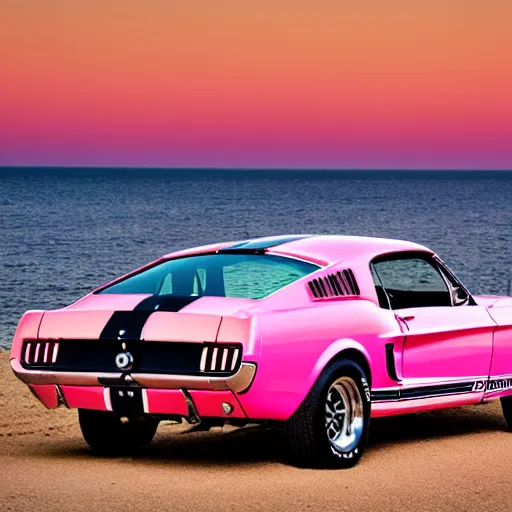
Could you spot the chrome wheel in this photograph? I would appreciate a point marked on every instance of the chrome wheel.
(344, 420)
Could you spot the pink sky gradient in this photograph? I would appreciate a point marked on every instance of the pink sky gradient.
(275, 84)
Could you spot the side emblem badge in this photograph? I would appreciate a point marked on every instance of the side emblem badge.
(124, 361)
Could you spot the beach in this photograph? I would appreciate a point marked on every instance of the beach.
(452, 460)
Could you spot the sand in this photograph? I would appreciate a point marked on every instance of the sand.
(442, 461)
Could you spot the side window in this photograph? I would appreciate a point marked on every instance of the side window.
(381, 294)
(251, 279)
(409, 283)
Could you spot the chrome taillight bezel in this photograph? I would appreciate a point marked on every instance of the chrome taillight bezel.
(220, 358)
(39, 353)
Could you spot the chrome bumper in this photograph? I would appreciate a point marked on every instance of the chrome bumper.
(238, 383)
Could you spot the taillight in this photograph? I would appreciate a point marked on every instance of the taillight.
(39, 353)
(220, 358)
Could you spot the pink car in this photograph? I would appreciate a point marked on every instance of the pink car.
(313, 333)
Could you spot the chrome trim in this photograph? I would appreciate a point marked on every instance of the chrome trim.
(61, 378)
(238, 383)
(55, 352)
(202, 364)
(213, 364)
(235, 359)
(145, 402)
(225, 352)
(107, 399)
(501, 377)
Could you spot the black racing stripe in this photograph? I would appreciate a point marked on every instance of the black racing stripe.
(164, 303)
(444, 389)
(128, 325)
(259, 244)
(125, 325)
(386, 395)
(127, 401)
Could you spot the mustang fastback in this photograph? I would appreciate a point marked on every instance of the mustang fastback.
(316, 334)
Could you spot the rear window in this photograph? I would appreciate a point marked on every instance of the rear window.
(249, 276)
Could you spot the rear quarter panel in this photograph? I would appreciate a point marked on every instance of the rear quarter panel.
(28, 328)
(297, 344)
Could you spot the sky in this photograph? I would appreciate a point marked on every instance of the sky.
(329, 84)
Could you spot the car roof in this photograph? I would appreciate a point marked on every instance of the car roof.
(321, 249)
(332, 248)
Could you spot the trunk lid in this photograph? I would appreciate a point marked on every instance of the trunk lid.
(150, 318)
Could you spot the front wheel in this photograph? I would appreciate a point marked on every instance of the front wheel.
(506, 405)
(108, 433)
(330, 428)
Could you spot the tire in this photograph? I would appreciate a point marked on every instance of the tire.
(506, 405)
(318, 432)
(111, 434)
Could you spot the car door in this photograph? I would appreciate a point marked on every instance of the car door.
(447, 336)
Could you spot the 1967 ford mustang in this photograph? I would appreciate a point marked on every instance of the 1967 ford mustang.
(313, 333)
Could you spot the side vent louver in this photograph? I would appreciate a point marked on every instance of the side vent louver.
(337, 284)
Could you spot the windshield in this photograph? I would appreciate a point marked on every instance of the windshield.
(248, 276)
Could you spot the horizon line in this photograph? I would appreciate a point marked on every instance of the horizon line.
(231, 168)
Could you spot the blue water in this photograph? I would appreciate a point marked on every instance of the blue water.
(65, 232)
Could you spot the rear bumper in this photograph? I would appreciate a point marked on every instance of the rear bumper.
(190, 397)
(193, 405)
(237, 383)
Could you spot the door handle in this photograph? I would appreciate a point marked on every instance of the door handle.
(404, 319)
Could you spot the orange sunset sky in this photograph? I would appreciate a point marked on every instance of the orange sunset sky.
(203, 83)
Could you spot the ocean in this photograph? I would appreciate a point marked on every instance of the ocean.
(66, 231)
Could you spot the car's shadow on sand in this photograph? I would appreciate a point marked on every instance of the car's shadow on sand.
(435, 425)
(265, 445)
(259, 444)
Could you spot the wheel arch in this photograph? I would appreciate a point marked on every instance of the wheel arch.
(343, 349)
(356, 356)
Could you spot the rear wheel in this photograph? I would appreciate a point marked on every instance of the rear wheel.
(108, 433)
(330, 428)
(506, 405)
